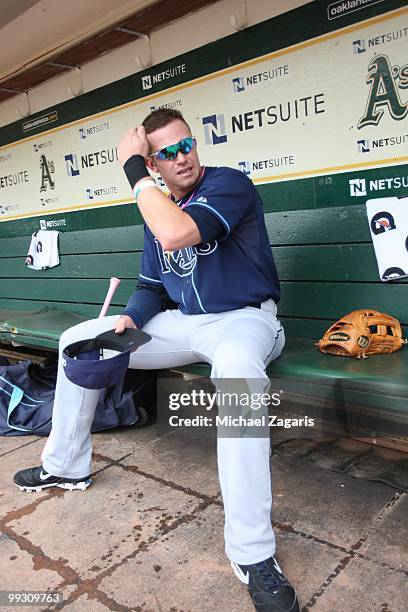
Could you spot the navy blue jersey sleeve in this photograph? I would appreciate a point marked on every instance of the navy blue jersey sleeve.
(149, 272)
(145, 303)
(222, 202)
(150, 296)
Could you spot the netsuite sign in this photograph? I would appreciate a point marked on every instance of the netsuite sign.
(215, 131)
(241, 83)
(149, 80)
(97, 158)
(360, 187)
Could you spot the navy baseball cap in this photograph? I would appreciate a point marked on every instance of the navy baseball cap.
(84, 362)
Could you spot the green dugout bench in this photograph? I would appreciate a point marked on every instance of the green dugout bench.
(327, 268)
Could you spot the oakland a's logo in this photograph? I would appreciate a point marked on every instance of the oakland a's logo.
(384, 80)
(183, 261)
(47, 168)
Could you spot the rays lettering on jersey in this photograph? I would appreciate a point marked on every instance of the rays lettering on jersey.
(183, 261)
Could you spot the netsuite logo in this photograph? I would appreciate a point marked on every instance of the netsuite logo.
(238, 84)
(147, 82)
(359, 46)
(71, 164)
(42, 145)
(298, 109)
(361, 187)
(90, 160)
(46, 201)
(99, 192)
(97, 128)
(363, 146)
(245, 167)
(358, 187)
(152, 79)
(279, 161)
(241, 83)
(53, 223)
(174, 104)
(6, 209)
(214, 129)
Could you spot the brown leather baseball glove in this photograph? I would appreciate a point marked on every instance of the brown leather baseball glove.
(361, 333)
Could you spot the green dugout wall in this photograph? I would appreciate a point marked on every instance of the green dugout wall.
(311, 104)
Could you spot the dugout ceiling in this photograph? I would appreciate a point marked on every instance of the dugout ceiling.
(80, 48)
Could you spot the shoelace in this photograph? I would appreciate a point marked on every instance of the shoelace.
(272, 578)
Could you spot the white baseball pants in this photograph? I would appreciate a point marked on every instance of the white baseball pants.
(237, 344)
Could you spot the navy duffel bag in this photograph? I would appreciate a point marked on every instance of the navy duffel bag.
(27, 398)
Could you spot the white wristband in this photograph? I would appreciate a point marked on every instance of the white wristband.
(143, 185)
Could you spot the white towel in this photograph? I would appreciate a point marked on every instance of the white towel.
(43, 251)
(388, 221)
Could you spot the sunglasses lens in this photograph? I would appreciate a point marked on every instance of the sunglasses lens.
(186, 145)
(170, 152)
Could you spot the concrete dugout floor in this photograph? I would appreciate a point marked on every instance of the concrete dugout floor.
(148, 535)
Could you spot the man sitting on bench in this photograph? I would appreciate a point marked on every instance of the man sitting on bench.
(207, 249)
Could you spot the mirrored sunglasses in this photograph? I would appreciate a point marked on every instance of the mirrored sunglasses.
(171, 152)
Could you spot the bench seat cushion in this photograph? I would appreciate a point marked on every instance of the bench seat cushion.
(48, 324)
(8, 313)
(300, 359)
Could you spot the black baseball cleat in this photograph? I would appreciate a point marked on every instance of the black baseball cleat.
(37, 479)
(269, 588)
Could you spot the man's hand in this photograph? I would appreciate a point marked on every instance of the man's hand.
(122, 323)
(133, 143)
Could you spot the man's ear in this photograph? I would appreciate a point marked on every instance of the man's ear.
(151, 164)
